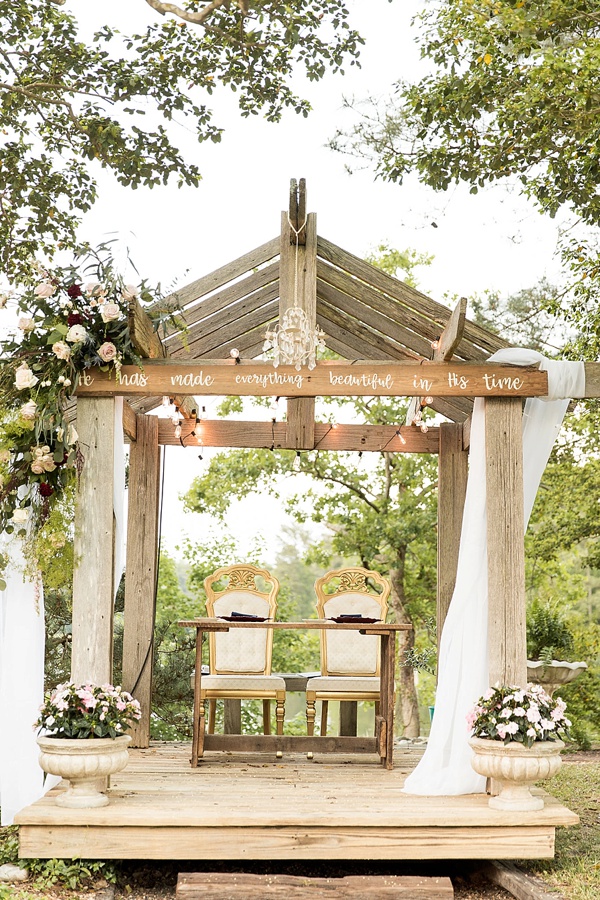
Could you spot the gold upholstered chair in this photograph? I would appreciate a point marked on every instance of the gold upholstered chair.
(240, 659)
(349, 660)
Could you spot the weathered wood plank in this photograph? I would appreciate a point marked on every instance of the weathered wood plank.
(358, 333)
(229, 886)
(141, 571)
(222, 433)
(264, 305)
(414, 345)
(452, 334)
(520, 884)
(127, 842)
(453, 463)
(129, 421)
(220, 308)
(507, 651)
(298, 285)
(91, 658)
(413, 300)
(229, 272)
(366, 378)
(296, 743)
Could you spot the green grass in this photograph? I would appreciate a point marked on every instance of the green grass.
(575, 869)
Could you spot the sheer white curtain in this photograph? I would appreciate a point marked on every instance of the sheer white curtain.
(445, 768)
(22, 646)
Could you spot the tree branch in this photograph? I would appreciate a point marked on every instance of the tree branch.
(197, 18)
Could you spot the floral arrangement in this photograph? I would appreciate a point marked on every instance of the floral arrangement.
(526, 715)
(69, 320)
(87, 711)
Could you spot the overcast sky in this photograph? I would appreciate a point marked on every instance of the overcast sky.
(492, 241)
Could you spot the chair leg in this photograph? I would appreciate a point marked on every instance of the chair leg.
(280, 711)
(311, 712)
(212, 712)
(324, 710)
(266, 717)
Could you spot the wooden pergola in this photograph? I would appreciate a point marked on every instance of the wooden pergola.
(392, 340)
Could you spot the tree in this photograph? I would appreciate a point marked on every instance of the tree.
(381, 511)
(512, 92)
(68, 105)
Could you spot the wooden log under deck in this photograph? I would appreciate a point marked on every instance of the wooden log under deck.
(256, 807)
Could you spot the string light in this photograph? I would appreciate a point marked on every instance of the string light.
(400, 436)
(435, 345)
(428, 401)
(178, 430)
(296, 463)
(235, 354)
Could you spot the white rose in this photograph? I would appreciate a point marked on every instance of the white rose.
(110, 312)
(129, 292)
(92, 288)
(26, 324)
(76, 334)
(44, 290)
(28, 410)
(73, 436)
(24, 377)
(62, 350)
(3, 300)
(20, 516)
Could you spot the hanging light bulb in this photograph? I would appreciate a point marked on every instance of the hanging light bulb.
(428, 401)
(178, 430)
(296, 463)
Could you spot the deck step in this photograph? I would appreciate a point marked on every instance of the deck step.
(245, 886)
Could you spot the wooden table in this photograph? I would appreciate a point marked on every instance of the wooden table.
(383, 741)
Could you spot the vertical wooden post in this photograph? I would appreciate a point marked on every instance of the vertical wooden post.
(141, 571)
(507, 648)
(298, 283)
(452, 486)
(93, 601)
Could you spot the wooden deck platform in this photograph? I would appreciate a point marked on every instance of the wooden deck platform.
(236, 808)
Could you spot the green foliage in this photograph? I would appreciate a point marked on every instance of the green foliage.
(398, 263)
(74, 874)
(548, 633)
(68, 104)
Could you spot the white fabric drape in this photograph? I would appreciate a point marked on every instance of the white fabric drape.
(445, 768)
(22, 646)
(21, 686)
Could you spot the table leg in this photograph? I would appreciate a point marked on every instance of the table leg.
(198, 706)
(388, 656)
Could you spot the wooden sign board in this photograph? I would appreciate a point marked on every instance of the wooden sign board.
(327, 379)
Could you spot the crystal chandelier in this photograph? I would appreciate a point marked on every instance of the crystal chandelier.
(293, 341)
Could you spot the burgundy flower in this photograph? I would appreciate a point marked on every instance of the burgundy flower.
(46, 490)
(74, 290)
(74, 319)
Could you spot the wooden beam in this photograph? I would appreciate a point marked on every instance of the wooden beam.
(452, 334)
(129, 421)
(298, 286)
(223, 433)
(141, 571)
(453, 463)
(519, 884)
(246, 886)
(148, 344)
(93, 600)
(447, 343)
(236, 329)
(328, 378)
(507, 651)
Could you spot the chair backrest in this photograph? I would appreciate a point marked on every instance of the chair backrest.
(244, 589)
(358, 591)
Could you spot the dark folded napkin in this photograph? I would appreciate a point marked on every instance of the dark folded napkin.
(243, 617)
(353, 617)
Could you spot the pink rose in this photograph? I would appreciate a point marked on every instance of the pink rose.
(62, 350)
(107, 351)
(28, 410)
(129, 292)
(44, 290)
(110, 312)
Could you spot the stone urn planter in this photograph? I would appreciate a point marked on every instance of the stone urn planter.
(554, 674)
(83, 762)
(515, 767)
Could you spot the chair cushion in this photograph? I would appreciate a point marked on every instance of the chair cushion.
(242, 683)
(348, 684)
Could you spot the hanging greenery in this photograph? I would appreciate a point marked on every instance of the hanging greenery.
(68, 320)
